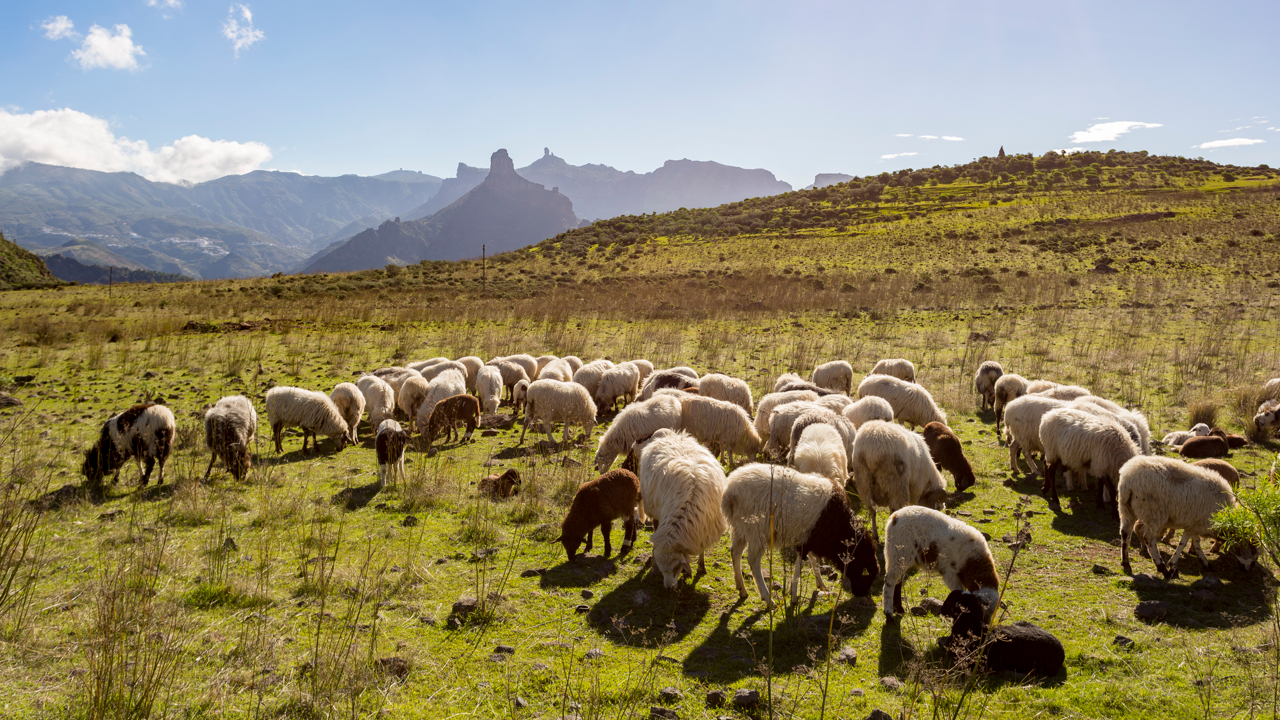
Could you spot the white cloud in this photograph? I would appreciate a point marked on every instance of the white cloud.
(1233, 142)
(102, 49)
(897, 155)
(928, 137)
(953, 138)
(1104, 132)
(1102, 118)
(903, 135)
(165, 4)
(74, 139)
(241, 35)
(59, 27)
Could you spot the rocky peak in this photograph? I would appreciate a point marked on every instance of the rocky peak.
(500, 164)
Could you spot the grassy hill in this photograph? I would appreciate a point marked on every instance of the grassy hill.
(21, 269)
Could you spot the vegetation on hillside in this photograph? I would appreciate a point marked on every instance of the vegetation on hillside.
(21, 269)
(72, 270)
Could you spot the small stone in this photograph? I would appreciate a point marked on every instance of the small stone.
(716, 698)
(396, 667)
(661, 712)
(587, 594)
(1009, 538)
(670, 694)
(533, 572)
(858, 692)
(505, 649)
(488, 433)
(150, 374)
(453, 623)
(520, 703)
(593, 654)
(409, 521)
(890, 682)
(1144, 580)
(441, 561)
(848, 656)
(879, 714)
(1101, 570)
(988, 511)
(1123, 642)
(1151, 610)
(919, 611)
(582, 609)
(746, 698)
(932, 605)
(465, 606)
(964, 513)
(498, 657)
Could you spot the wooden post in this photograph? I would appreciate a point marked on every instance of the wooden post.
(484, 269)
(111, 276)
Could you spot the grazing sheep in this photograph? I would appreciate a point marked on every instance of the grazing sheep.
(545, 360)
(835, 375)
(489, 387)
(772, 401)
(892, 467)
(1234, 442)
(588, 376)
(1209, 446)
(1009, 387)
(620, 382)
(1268, 417)
(472, 364)
(311, 410)
(1063, 392)
(835, 403)
(1158, 494)
(948, 454)
(984, 382)
(1130, 419)
(1040, 386)
(667, 379)
(868, 408)
(730, 389)
(230, 427)
(1086, 443)
(806, 385)
(896, 367)
(1178, 437)
(685, 371)
(1018, 647)
(769, 506)
(636, 422)
(820, 451)
(389, 445)
(645, 367)
(919, 537)
(912, 404)
(518, 394)
(143, 432)
(557, 370)
(551, 401)
(409, 399)
(427, 363)
(526, 363)
(445, 385)
(722, 426)
(446, 415)
(395, 376)
(1270, 390)
(379, 399)
(435, 371)
(681, 484)
(1123, 418)
(1022, 418)
(575, 363)
(1224, 469)
(782, 419)
(350, 403)
(822, 416)
(512, 373)
(786, 379)
(598, 503)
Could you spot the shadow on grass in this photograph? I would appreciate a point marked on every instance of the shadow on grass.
(641, 612)
(895, 650)
(586, 571)
(1222, 597)
(152, 493)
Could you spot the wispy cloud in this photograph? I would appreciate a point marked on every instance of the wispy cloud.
(59, 27)
(1105, 132)
(165, 4)
(952, 138)
(928, 137)
(240, 30)
(891, 156)
(103, 49)
(904, 135)
(1242, 127)
(1102, 118)
(74, 139)
(1233, 142)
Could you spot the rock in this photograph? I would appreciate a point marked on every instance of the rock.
(1102, 570)
(1151, 610)
(1123, 642)
(670, 694)
(465, 606)
(716, 698)
(150, 374)
(582, 609)
(932, 605)
(23, 379)
(396, 667)
(848, 656)
(919, 611)
(1143, 580)
(520, 703)
(533, 572)
(498, 657)
(8, 401)
(505, 649)
(587, 594)
(879, 714)
(744, 698)
(409, 521)
(661, 712)
(593, 654)
(891, 683)
(858, 692)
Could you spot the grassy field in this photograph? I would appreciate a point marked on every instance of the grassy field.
(263, 599)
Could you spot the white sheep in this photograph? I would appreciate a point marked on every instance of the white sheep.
(489, 387)
(1132, 420)
(445, 385)
(311, 410)
(820, 451)
(772, 401)
(426, 363)
(575, 363)
(473, 365)
(911, 403)
(900, 368)
(727, 388)
(646, 369)
(512, 373)
(551, 401)
(518, 394)
(1082, 441)
(784, 418)
(230, 427)
(557, 370)
(681, 485)
(409, 399)
(768, 506)
(350, 402)
(867, 409)
(685, 371)
(1268, 416)
(1063, 392)
(143, 432)
(821, 416)
(620, 382)
(1022, 419)
(433, 372)
(786, 379)
(722, 426)
(544, 360)
(588, 376)
(1040, 386)
(918, 537)
(636, 422)
(984, 381)
(388, 445)
(1009, 387)
(1160, 493)
(835, 375)
(892, 467)
(666, 380)
(1178, 437)
(835, 403)
(526, 362)
(379, 399)
(1270, 390)
(395, 376)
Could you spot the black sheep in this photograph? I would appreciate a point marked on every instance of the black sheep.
(1018, 647)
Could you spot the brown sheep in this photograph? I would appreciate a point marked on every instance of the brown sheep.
(1223, 468)
(500, 487)
(598, 503)
(1233, 441)
(447, 414)
(948, 454)
(1208, 446)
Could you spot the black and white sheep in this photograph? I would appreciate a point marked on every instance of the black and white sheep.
(1018, 647)
(984, 382)
(611, 496)
(666, 380)
(900, 368)
(143, 432)
(1267, 418)
(552, 401)
(911, 403)
(636, 422)
(388, 445)
(892, 468)
(835, 375)
(311, 410)
(1177, 437)
(230, 427)
(920, 537)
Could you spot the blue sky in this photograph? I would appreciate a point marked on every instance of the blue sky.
(798, 87)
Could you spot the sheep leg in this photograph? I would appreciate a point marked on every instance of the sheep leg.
(1031, 463)
(212, 457)
(1195, 543)
(591, 533)
(735, 552)
(817, 573)
(795, 580)
(146, 476)
(276, 431)
(753, 559)
(702, 564)
(1126, 534)
(471, 428)
(523, 430)
(1014, 451)
(891, 603)
(1168, 570)
(606, 528)
(1051, 482)
(628, 534)
(1177, 554)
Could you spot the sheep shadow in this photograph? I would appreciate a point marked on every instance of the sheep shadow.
(152, 493)
(642, 612)
(1223, 597)
(1084, 519)
(895, 649)
(587, 570)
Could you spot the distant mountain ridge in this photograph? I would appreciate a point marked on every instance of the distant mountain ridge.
(72, 270)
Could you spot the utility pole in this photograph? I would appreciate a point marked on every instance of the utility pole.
(484, 269)
(111, 276)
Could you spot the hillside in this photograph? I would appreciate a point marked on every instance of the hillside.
(21, 269)
(88, 252)
(68, 268)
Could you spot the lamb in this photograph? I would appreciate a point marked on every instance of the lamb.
(919, 537)
(724, 387)
(769, 506)
(230, 427)
(446, 415)
(1209, 446)
(786, 379)
(722, 426)
(1234, 442)
(557, 370)
(552, 401)
(143, 432)
(1159, 493)
(868, 408)
(512, 373)
(1178, 437)
(598, 503)
(948, 454)
(896, 367)
(984, 382)
(409, 399)
(1268, 417)
(820, 451)
(500, 486)
(431, 373)
(892, 467)
(489, 387)
(518, 395)
(420, 365)
(620, 382)
(1009, 387)
(636, 422)
(311, 410)
(666, 379)
(445, 385)
(770, 402)
(389, 445)
(911, 403)
(1022, 428)
(379, 399)
(835, 375)
(1018, 647)
(1084, 442)
(681, 485)
(350, 403)
(472, 364)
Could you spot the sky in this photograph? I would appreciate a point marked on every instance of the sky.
(190, 90)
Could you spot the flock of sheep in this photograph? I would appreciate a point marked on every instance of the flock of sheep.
(675, 426)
